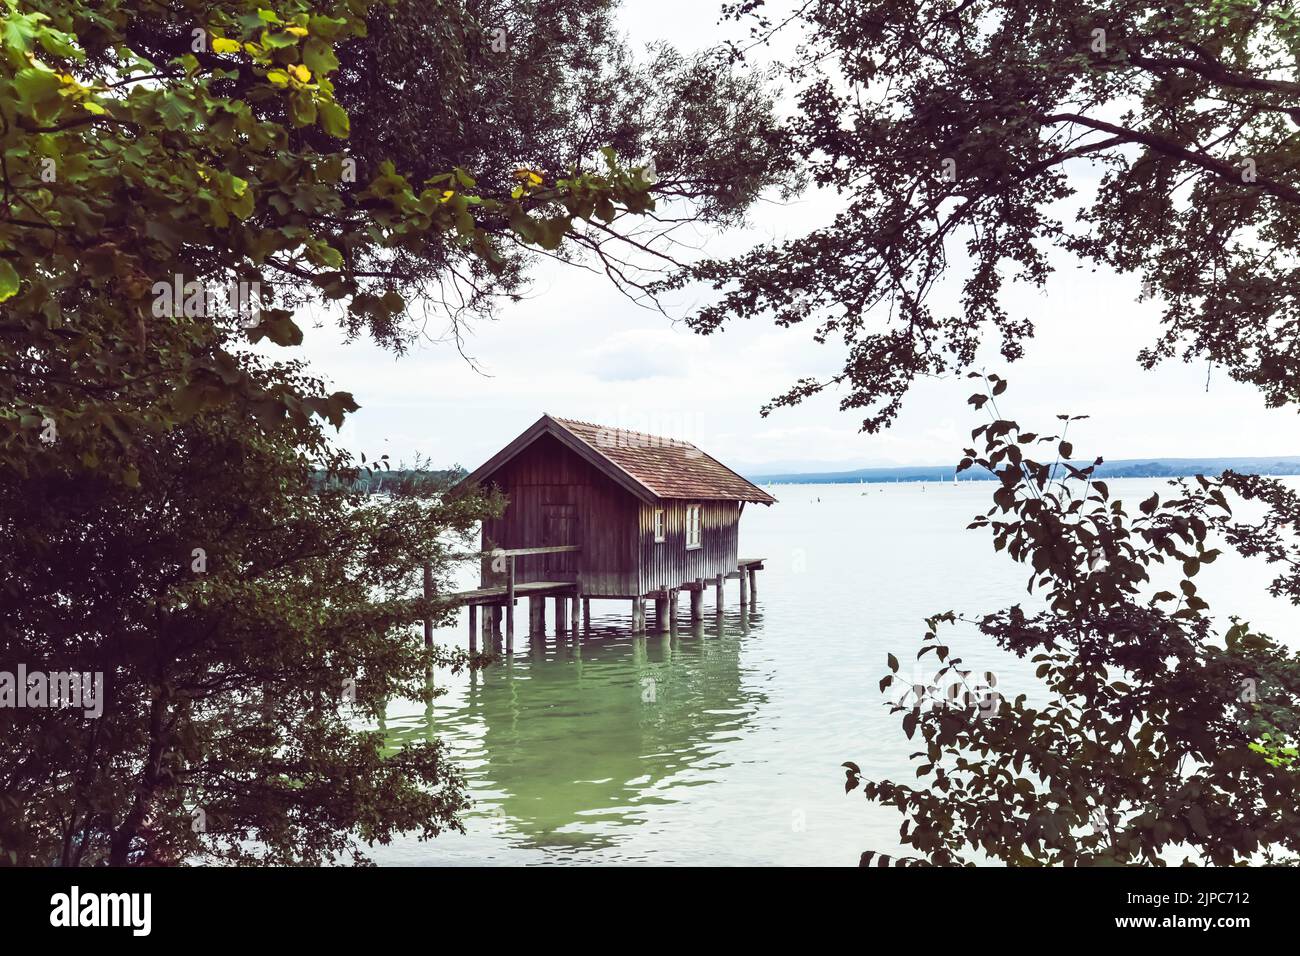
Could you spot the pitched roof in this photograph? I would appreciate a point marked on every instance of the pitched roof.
(649, 466)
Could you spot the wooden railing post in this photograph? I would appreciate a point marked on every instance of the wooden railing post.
(510, 603)
(473, 628)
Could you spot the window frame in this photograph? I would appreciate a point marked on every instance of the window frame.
(659, 525)
(695, 540)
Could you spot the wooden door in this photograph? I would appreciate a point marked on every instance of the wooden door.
(559, 527)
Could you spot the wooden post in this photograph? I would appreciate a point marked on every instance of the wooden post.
(510, 602)
(672, 611)
(719, 587)
(744, 589)
(753, 585)
(473, 628)
(537, 617)
(697, 601)
(496, 626)
(428, 593)
(561, 615)
(638, 615)
(661, 614)
(573, 609)
(586, 615)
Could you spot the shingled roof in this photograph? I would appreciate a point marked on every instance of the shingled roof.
(650, 466)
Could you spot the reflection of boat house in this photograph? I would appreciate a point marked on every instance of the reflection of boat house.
(598, 512)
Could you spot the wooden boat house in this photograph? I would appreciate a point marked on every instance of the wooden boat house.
(597, 512)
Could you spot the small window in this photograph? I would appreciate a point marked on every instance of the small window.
(692, 526)
(660, 525)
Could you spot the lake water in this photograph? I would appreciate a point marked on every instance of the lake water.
(723, 745)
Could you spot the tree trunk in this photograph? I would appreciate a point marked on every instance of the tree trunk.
(149, 781)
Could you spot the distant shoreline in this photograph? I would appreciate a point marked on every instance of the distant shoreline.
(1124, 468)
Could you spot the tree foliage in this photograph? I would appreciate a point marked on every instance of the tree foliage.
(124, 169)
(956, 132)
(248, 624)
(501, 85)
(1153, 738)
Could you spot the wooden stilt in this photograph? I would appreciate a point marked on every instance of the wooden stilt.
(672, 611)
(537, 617)
(473, 628)
(496, 626)
(697, 602)
(661, 614)
(638, 615)
(510, 602)
(753, 585)
(586, 615)
(573, 609)
(718, 585)
(744, 588)
(561, 615)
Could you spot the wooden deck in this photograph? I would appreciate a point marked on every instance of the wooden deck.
(481, 596)
(503, 598)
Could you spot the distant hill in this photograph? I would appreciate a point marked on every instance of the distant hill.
(1124, 468)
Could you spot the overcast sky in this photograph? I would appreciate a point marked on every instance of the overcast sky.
(576, 348)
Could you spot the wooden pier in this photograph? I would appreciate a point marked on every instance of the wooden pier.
(500, 602)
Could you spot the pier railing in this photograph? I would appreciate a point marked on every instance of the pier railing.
(493, 596)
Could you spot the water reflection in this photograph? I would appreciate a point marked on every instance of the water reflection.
(568, 743)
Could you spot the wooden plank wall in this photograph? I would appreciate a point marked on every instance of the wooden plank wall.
(668, 563)
(547, 479)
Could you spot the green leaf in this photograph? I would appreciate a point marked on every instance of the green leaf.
(319, 57)
(18, 31)
(334, 119)
(36, 87)
(278, 326)
(303, 108)
(9, 281)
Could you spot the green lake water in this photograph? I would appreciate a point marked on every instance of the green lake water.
(722, 745)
